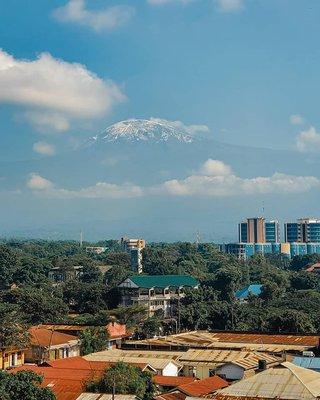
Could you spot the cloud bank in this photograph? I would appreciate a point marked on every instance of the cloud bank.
(55, 92)
(309, 141)
(214, 179)
(75, 11)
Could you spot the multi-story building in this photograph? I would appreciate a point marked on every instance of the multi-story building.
(306, 230)
(258, 230)
(156, 293)
(134, 247)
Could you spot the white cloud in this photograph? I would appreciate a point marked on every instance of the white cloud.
(215, 168)
(230, 5)
(37, 182)
(296, 119)
(44, 148)
(55, 92)
(101, 190)
(214, 179)
(107, 19)
(309, 141)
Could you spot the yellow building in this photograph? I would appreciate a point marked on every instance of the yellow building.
(11, 358)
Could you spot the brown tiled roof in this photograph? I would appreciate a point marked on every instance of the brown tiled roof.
(45, 337)
(66, 384)
(171, 396)
(173, 381)
(81, 363)
(204, 386)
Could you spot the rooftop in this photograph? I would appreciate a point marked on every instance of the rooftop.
(159, 281)
(231, 340)
(307, 362)
(172, 381)
(287, 382)
(251, 289)
(45, 337)
(204, 386)
(218, 357)
(154, 360)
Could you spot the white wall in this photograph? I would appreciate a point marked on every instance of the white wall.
(170, 370)
(231, 371)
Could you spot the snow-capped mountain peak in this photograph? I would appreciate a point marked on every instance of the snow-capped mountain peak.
(144, 130)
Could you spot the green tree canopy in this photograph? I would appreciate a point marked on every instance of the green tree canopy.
(123, 378)
(24, 385)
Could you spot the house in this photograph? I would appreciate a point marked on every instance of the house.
(164, 364)
(117, 332)
(204, 363)
(246, 367)
(67, 378)
(251, 290)
(203, 387)
(156, 292)
(64, 273)
(46, 344)
(284, 382)
(11, 357)
(198, 388)
(96, 249)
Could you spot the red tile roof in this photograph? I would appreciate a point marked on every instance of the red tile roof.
(45, 337)
(171, 396)
(172, 381)
(66, 384)
(204, 386)
(81, 363)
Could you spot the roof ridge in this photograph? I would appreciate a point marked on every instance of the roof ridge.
(289, 366)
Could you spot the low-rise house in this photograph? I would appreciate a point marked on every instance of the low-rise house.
(203, 387)
(96, 249)
(11, 357)
(46, 345)
(165, 365)
(251, 290)
(246, 367)
(106, 396)
(65, 273)
(230, 363)
(156, 292)
(285, 382)
(117, 332)
(67, 378)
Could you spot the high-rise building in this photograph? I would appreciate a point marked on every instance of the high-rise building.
(134, 247)
(258, 230)
(306, 230)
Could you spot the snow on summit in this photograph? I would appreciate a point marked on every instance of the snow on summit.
(154, 129)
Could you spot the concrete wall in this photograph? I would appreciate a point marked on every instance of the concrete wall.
(170, 370)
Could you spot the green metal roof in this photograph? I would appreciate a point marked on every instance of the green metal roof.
(163, 281)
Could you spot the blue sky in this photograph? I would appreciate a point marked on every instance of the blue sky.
(247, 69)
